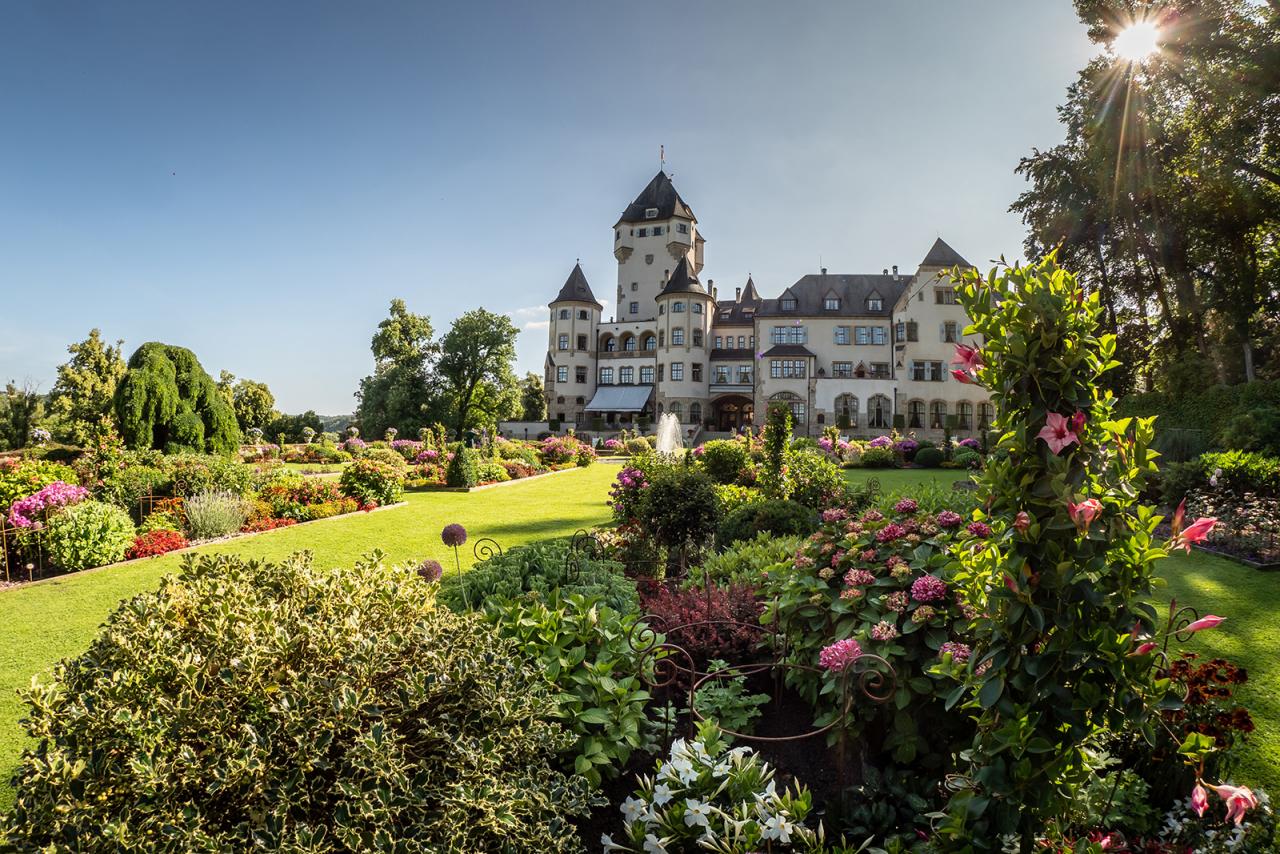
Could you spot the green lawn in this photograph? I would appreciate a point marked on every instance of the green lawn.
(895, 480)
(56, 619)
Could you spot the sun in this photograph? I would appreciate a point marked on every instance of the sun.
(1137, 41)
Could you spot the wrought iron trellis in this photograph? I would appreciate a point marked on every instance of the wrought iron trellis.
(20, 548)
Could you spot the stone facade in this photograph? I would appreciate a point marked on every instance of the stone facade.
(864, 352)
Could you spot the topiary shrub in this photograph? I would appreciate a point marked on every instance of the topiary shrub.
(967, 458)
(929, 458)
(680, 508)
(167, 401)
(878, 458)
(259, 706)
(815, 480)
(92, 533)
(372, 481)
(462, 470)
(725, 460)
(784, 518)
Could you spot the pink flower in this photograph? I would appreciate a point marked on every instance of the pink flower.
(1057, 432)
(928, 588)
(884, 631)
(1084, 513)
(1077, 423)
(859, 577)
(840, 654)
(890, 532)
(1209, 621)
(1239, 800)
(1197, 532)
(948, 519)
(969, 357)
(1022, 522)
(1199, 800)
(962, 376)
(1143, 649)
(906, 505)
(959, 652)
(979, 529)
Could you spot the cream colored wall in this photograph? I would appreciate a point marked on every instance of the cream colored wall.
(650, 277)
(572, 358)
(687, 354)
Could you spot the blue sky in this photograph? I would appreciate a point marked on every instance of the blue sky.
(256, 181)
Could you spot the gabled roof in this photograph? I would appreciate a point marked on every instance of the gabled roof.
(853, 289)
(942, 255)
(740, 311)
(749, 293)
(576, 289)
(659, 194)
(682, 281)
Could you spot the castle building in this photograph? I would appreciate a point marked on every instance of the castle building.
(864, 352)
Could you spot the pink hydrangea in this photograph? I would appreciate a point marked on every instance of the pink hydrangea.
(873, 516)
(891, 532)
(840, 654)
(948, 519)
(884, 631)
(834, 514)
(906, 505)
(896, 601)
(851, 594)
(929, 588)
(868, 555)
(959, 652)
(26, 512)
(859, 577)
(979, 529)
(880, 442)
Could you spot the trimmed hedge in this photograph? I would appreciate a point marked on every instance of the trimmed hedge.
(1209, 411)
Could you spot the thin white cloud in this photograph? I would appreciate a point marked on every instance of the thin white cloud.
(537, 324)
(528, 312)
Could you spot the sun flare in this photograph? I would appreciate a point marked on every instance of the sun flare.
(1137, 41)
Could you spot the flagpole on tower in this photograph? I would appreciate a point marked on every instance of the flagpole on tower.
(662, 158)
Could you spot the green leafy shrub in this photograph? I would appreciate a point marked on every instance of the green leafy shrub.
(374, 481)
(777, 437)
(20, 478)
(965, 458)
(747, 561)
(636, 447)
(1242, 471)
(725, 701)
(815, 480)
(92, 533)
(1208, 411)
(679, 509)
(215, 514)
(581, 645)
(782, 518)
(491, 472)
(538, 571)
(929, 458)
(1175, 480)
(878, 458)
(126, 486)
(733, 496)
(725, 460)
(1254, 430)
(258, 706)
(193, 473)
(461, 471)
(167, 401)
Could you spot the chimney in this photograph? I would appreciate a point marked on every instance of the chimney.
(886, 272)
(895, 272)
(737, 294)
(824, 271)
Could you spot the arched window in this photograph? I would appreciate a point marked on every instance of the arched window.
(697, 337)
(986, 412)
(677, 307)
(878, 412)
(964, 415)
(695, 413)
(629, 343)
(915, 414)
(676, 409)
(794, 403)
(696, 307)
(650, 343)
(608, 343)
(937, 414)
(847, 410)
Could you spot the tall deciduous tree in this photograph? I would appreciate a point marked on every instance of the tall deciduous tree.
(254, 404)
(533, 401)
(167, 401)
(400, 393)
(86, 385)
(20, 409)
(475, 368)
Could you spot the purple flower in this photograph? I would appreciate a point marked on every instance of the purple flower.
(825, 444)
(970, 443)
(833, 514)
(948, 519)
(929, 588)
(906, 505)
(891, 532)
(25, 512)
(979, 529)
(453, 535)
(907, 446)
(430, 570)
(959, 652)
(880, 442)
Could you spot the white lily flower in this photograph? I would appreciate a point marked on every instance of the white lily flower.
(779, 828)
(662, 794)
(696, 812)
(632, 809)
(654, 845)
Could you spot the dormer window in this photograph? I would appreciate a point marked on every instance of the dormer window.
(650, 213)
(788, 303)
(831, 304)
(875, 304)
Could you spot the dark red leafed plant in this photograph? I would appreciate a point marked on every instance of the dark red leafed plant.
(1209, 707)
(257, 525)
(154, 543)
(709, 623)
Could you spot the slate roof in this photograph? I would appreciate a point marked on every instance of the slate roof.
(852, 289)
(788, 350)
(682, 281)
(942, 255)
(660, 193)
(731, 353)
(742, 311)
(576, 289)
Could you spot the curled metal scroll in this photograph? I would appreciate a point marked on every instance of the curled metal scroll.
(583, 548)
(486, 548)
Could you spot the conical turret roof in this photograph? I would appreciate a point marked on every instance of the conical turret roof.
(682, 281)
(660, 195)
(576, 289)
(942, 255)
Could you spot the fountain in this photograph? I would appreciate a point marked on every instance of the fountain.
(669, 439)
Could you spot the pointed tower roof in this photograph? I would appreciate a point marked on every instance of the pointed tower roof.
(682, 281)
(749, 293)
(660, 195)
(942, 255)
(576, 289)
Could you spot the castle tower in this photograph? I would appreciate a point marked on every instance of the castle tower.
(571, 349)
(653, 235)
(685, 313)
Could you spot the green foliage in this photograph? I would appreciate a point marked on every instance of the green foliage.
(194, 473)
(1211, 413)
(533, 401)
(294, 427)
(21, 408)
(215, 514)
(281, 707)
(679, 509)
(462, 470)
(1060, 599)
(18, 479)
(254, 405)
(965, 458)
(733, 496)
(726, 460)
(88, 534)
(815, 481)
(929, 458)
(539, 571)
(1243, 472)
(1178, 479)
(475, 369)
(401, 392)
(781, 518)
(1255, 430)
(878, 458)
(125, 486)
(491, 472)
(724, 700)
(166, 401)
(374, 481)
(86, 385)
(777, 438)
(582, 648)
(748, 561)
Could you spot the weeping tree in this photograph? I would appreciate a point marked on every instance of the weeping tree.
(167, 401)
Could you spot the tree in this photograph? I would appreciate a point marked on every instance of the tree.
(167, 401)
(477, 352)
(400, 392)
(20, 411)
(533, 400)
(293, 425)
(254, 404)
(86, 385)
